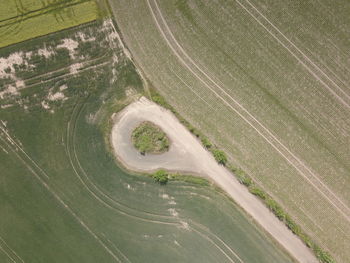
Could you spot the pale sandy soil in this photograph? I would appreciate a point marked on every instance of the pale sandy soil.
(187, 154)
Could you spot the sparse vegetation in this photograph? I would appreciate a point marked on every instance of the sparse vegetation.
(149, 138)
(189, 179)
(258, 192)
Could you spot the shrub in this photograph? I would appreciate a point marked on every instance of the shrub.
(258, 192)
(276, 209)
(323, 256)
(292, 225)
(206, 143)
(243, 178)
(219, 156)
(161, 176)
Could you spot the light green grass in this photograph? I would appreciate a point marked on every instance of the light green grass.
(21, 19)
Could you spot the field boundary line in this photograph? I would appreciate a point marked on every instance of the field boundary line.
(244, 118)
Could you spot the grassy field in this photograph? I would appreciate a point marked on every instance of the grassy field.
(24, 19)
(62, 196)
(268, 83)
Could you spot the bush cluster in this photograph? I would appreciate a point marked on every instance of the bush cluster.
(149, 138)
(219, 156)
(161, 176)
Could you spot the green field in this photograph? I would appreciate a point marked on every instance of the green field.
(267, 81)
(62, 196)
(24, 19)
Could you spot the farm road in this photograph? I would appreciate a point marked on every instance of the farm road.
(187, 154)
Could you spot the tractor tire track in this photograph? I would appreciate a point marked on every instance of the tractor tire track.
(340, 97)
(294, 161)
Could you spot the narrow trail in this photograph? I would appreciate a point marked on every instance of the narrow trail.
(269, 137)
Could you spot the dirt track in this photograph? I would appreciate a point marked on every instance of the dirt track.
(187, 154)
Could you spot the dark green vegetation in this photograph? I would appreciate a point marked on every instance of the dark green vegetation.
(246, 180)
(62, 196)
(267, 81)
(161, 176)
(219, 156)
(149, 138)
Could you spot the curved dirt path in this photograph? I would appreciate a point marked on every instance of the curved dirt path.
(187, 154)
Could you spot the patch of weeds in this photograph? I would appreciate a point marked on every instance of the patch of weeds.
(161, 176)
(258, 192)
(189, 179)
(219, 156)
(149, 138)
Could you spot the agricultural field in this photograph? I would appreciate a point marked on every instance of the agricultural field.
(268, 82)
(63, 198)
(24, 19)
